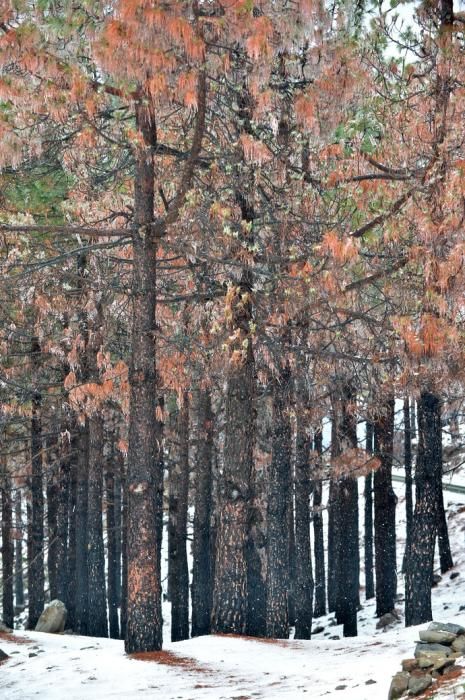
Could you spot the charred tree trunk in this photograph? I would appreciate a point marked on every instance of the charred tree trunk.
(332, 540)
(36, 561)
(7, 549)
(277, 578)
(408, 479)
(61, 537)
(52, 490)
(421, 554)
(97, 603)
(124, 553)
(82, 575)
(445, 554)
(303, 559)
(385, 513)
(144, 620)
(369, 578)
(19, 581)
(201, 548)
(112, 552)
(230, 587)
(70, 598)
(347, 552)
(318, 534)
(178, 574)
(118, 506)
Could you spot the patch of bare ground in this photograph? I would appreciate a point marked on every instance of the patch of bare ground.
(11, 637)
(447, 680)
(169, 658)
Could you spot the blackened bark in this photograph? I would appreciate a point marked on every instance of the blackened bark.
(201, 547)
(36, 561)
(385, 512)
(408, 479)
(445, 554)
(82, 577)
(178, 574)
(70, 598)
(144, 620)
(19, 581)
(111, 545)
(318, 534)
(369, 578)
(97, 625)
(303, 589)
(292, 554)
(118, 505)
(421, 554)
(62, 495)
(7, 549)
(229, 613)
(52, 490)
(277, 578)
(332, 540)
(124, 553)
(347, 551)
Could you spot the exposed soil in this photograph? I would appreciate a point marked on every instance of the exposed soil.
(169, 658)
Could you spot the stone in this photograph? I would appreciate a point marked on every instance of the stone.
(437, 649)
(436, 579)
(4, 628)
(340, 687)
(409, 664)
(454, 575)
(335, 636)
(446, 627)
(32, 654)
(399, 685)
(418, 683)
(459, 644)
(437, 636)
(3, 656)
(53, 618)
(370, 681)
(386, 620)
(318, 629)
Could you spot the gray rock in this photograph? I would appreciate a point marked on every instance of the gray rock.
(399, 685)
(318, 629)
(409, 664)
(438, 649)
(53, 618)
(446, 627)
(437, 636)
(418, 683)
(454, 574)
(4, 628)
(436, 579)
(459, 644)
(3, 656)
(386, 620)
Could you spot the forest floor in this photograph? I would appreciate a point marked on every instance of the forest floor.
(68, 667)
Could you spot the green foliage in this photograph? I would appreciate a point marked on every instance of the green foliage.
(39, 192)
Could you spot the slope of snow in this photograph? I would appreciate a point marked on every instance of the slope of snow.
(222, 667)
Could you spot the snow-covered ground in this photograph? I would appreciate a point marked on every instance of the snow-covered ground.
(55, 667)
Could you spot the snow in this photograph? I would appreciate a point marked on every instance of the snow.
(67, 667)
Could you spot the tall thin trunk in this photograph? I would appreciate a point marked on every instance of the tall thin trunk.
(111, 545)
(19, 581)
(7, 547)
(118, 506)
(178, 574)
(347, 552)
(445, 554)
(233, 517)
(318, 534)
(201, 547)
(124, 553)
(52, 490)
(36, 562)
(71, 591)
(277, 578)
(421, 554)
(97, 625)
(144, 619)
(82, 573)
(292, 545)
(385, 512)
(303, 559)
(408, 479)
(369, 578)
